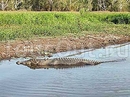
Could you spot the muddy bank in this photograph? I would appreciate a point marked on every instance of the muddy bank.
(41, 46)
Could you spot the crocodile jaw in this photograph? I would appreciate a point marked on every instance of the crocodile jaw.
(26, 63)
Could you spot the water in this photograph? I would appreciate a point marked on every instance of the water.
(104, 80)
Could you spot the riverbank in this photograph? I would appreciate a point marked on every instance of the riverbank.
(31, 34)
(46, 46)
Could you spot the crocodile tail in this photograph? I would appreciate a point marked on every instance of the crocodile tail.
(117, 60)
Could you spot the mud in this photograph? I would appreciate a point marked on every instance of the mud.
(46, 46)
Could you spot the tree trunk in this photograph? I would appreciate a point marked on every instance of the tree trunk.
(4, 5)
(17, 3)
(51, 4)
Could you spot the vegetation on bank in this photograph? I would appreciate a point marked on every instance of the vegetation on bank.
(15, 25)
(65, 5)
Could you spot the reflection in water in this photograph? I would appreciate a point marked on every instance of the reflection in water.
(104, 80)
(55, 67)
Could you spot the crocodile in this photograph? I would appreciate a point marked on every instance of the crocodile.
(61, 62)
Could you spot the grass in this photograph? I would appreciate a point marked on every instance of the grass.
(27, 25)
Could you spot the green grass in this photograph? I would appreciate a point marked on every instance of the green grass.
(27, 25)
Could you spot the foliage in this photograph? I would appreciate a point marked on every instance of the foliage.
(15, 25)
(65, 5)
(119, 18)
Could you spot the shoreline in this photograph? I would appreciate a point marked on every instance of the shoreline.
(45, 46)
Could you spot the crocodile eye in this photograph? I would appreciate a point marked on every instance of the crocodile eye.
(29, 64)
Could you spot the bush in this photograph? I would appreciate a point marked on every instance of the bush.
(119, 18)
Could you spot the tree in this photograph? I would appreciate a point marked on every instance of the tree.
(17, 4)
(3, 5)
(90, 5)
(66, 5)
(51, 4)
(27, 4)
(120, 5)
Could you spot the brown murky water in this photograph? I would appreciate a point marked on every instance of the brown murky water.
(104, 80)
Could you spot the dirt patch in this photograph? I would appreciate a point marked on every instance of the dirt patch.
(40, 46)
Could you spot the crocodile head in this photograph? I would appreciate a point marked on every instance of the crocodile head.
(27, 63)
(35, 63)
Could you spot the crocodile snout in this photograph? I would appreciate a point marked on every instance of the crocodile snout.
(18, 62)
(26, 63)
